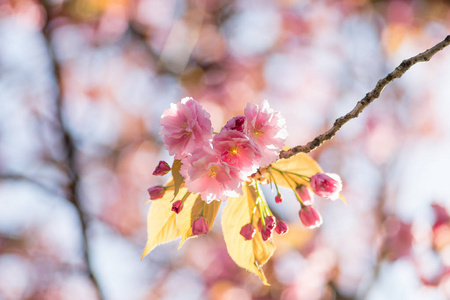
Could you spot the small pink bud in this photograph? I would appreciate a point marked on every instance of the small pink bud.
(161, 169)
(156, 192)
(266, 234)
(305, 194)
(177, 206)
(326, 185)
(310, 217)
(248, 231)
(278, 198)
(200, 226)
(281, 228)
(236, 123)
(271, 222)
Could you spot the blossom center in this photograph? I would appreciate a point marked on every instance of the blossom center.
(212, 171)
(233, 150)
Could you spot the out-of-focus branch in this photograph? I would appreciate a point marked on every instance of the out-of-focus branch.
(369, 98)
(23, 178)
(70, 149)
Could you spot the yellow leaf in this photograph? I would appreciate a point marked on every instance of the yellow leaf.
(253, 254)
(177, 177)
(161, 222)
(193, 207)
(299, 164)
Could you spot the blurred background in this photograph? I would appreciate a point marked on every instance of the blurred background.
(83, 84)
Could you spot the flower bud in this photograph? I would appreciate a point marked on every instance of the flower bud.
(267, 230)
(278, 198)
(177, 206)
(305, 194)
(310, 217)
(200, 226)
(156, 192)
(326, 185)
(266, 234)
(162, 168)
(248, 231)
(236, 123)
(271, 222)
(281, 228)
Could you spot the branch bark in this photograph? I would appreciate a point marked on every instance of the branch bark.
(369, 98)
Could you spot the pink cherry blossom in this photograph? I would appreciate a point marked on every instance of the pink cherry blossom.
(310, 217)
(186, 126)
(237, 150)
(200, 226)
(326, 185)
(161, 169)
(210, 176)
(267, 128)
(248, 231)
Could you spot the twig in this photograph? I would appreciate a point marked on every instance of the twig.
(68, 143)
(369, 98)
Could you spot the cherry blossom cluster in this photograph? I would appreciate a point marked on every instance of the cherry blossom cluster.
(216, 165)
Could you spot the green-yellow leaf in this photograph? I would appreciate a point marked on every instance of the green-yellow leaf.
(177, 177)
(193, 207)
(299, 164)
(161, 222)
(253, 254)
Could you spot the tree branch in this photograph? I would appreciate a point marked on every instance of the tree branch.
(369, 98)
(69, 147)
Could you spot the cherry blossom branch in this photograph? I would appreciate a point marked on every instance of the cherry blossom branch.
(369, 98)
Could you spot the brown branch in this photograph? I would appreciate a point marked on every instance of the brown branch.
(369, 98)
(69, 147)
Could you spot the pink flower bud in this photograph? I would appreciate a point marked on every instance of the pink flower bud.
(278, 198)
(326, 185)
(161, 169)
(266, 234)
(177, 206)
(281, 228)
(248, 231)
(305, 194)
(156, 192)
(236, 123)
(271, 222)
(267, 230)
(200, 226)
(310, 217)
